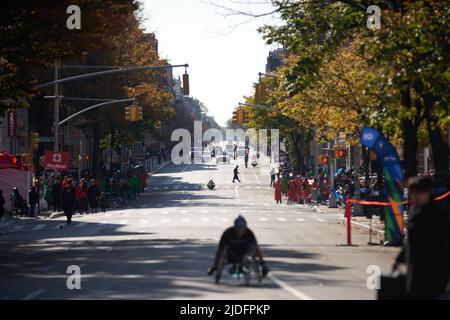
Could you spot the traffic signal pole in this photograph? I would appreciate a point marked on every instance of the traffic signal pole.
(56, 108)
(94, 107)
(55, 83)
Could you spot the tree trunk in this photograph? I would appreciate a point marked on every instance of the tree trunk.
(300, 161)
(410, 148)
(410, 145)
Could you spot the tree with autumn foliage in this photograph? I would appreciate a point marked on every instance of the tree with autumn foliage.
(398, 75)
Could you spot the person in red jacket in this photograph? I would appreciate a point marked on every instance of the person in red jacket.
(292, 192)
(277, 185)
(81, 196)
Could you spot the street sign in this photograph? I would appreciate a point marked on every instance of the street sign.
(56, 160)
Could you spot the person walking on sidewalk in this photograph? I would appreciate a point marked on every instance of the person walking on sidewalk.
(33, 200)
(246, 158)
(277, 186)
(56, 195)
(68, 201)
(92, 195)
(236, 174)
(272, 177)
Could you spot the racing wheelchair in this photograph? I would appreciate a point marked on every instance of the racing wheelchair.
(247, 267)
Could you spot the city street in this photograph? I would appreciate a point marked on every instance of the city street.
(162, 248)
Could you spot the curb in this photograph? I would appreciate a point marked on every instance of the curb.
(159, 168)
(344, 220)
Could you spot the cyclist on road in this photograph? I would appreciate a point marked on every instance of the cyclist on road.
(235, 243)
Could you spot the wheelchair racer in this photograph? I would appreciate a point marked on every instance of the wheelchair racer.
(237, 242)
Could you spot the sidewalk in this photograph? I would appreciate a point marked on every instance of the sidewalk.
(49, 214)
(358, 222)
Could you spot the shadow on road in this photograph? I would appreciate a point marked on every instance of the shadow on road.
(135, 269)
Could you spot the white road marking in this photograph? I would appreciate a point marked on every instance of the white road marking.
(300, 219)
(165, 220)
(205, 219)
(34, 294)
(321, 220)
(144, 222)
(79, 225)
(289, 289)
(262, 219)
(281, 219)
(224, 219)
(185, 219)
(257, 179)
(39, 227)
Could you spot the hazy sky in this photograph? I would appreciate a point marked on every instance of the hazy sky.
(224, 55)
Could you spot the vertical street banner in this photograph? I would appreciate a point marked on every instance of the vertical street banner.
(12, 123)
(56, 160)
(393, 191)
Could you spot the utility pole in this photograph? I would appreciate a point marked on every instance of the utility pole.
(56, 108)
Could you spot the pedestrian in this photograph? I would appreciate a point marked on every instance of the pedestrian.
(2, 204)
(33, 200)
(246, 158)
(56, 195)
(236, 174)
(123, 192)
(103, 199)
(68, 200)
(272, 177)
(92, 196)
(81, 196)
(277, 186)
(426, 251)
(285, 184)
(292, 192)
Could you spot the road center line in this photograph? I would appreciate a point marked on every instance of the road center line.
(289, 289)
(34, 294)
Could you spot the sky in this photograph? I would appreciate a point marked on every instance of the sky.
(224, 53)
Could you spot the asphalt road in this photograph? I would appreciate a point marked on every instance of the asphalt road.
(161, 248)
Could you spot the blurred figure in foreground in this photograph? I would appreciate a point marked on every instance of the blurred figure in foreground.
(426, 252)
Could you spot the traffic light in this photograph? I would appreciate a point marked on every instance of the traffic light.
(323, 159)
(234, 119)
(186, 84)
(261, 92)
(258, 93)
(128, 113)
(134, 113)
(340, 152)
(33, 141)
(139, 113)
(18, 160)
